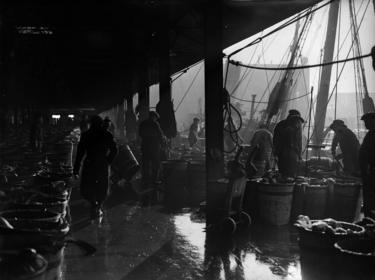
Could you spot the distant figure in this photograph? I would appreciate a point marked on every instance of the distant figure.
(349, 146)
(84, 124)
(261, 150)
(100, 149)
(367, 165)
(287, 144)
(193, 132)
(152, 140)
(37, 133)
(108, 125)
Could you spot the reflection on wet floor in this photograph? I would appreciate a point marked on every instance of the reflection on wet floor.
(141, 243)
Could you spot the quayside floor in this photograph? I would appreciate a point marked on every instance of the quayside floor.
(135, 242)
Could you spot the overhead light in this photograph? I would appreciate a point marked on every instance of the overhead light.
(34, 30)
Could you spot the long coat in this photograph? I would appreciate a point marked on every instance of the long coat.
(100, 149)
(367, 166)
(349, 146)
(288, 146)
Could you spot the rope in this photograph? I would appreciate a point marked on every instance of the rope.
(183, 71)
(263, 102)
(188, 89)
(293, 20)
(237, 63)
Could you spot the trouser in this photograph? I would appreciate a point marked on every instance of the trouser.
(369, 192)
(150, 169)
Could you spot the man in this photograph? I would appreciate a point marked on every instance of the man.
(193, 132)
(151, 147)
(108, 125)
(261, 149)
(287, 141)
(100, 150)
(349, 146)
(367, 164)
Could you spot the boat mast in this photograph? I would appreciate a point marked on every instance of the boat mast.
(367, 102)
(289, 82)
(325, 77)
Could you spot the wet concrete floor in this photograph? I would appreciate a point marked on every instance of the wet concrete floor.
(135, 242)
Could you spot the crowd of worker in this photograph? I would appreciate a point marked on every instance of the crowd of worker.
(281, 147)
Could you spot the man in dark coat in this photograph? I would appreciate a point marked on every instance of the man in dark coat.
(287, 143)
(367, 165)
(151, 147)
(349, 146)
(100, 149)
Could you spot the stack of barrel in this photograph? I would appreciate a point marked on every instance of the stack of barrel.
(185, 181)
(279, 204)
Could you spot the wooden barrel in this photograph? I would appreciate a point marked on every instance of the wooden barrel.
(176, 183)
(316, 197)
(345, 201)
(197, 182)
(298, 200)
(250, 198)
(275, 203)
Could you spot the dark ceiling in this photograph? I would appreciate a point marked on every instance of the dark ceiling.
(60, 54)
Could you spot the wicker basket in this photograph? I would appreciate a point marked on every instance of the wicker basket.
(318, 240)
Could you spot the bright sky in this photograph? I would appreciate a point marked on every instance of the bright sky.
(271, 51)
(276, 45)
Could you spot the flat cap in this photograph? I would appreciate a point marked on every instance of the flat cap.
(337, 123)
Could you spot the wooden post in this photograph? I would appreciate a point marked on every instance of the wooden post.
(164, 63)
(143, 93)
(214, 98)
(322, 99)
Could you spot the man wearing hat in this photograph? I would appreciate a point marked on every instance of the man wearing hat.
(367, 164)
(349, 146)
(287, 143)
(151, 147)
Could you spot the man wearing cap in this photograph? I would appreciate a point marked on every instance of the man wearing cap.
(367, 164)
(349, 146)
(152, 140)
(287, 143)
(97, 149)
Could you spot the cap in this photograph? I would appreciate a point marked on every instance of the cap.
(292, 117)
(294, 112)
(368, 116)
(336, 123)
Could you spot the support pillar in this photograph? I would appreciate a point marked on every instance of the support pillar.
(214, 97)
(143, 93)
(164, 64)
(6, 40)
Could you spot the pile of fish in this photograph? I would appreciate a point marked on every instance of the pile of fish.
(328, 226)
